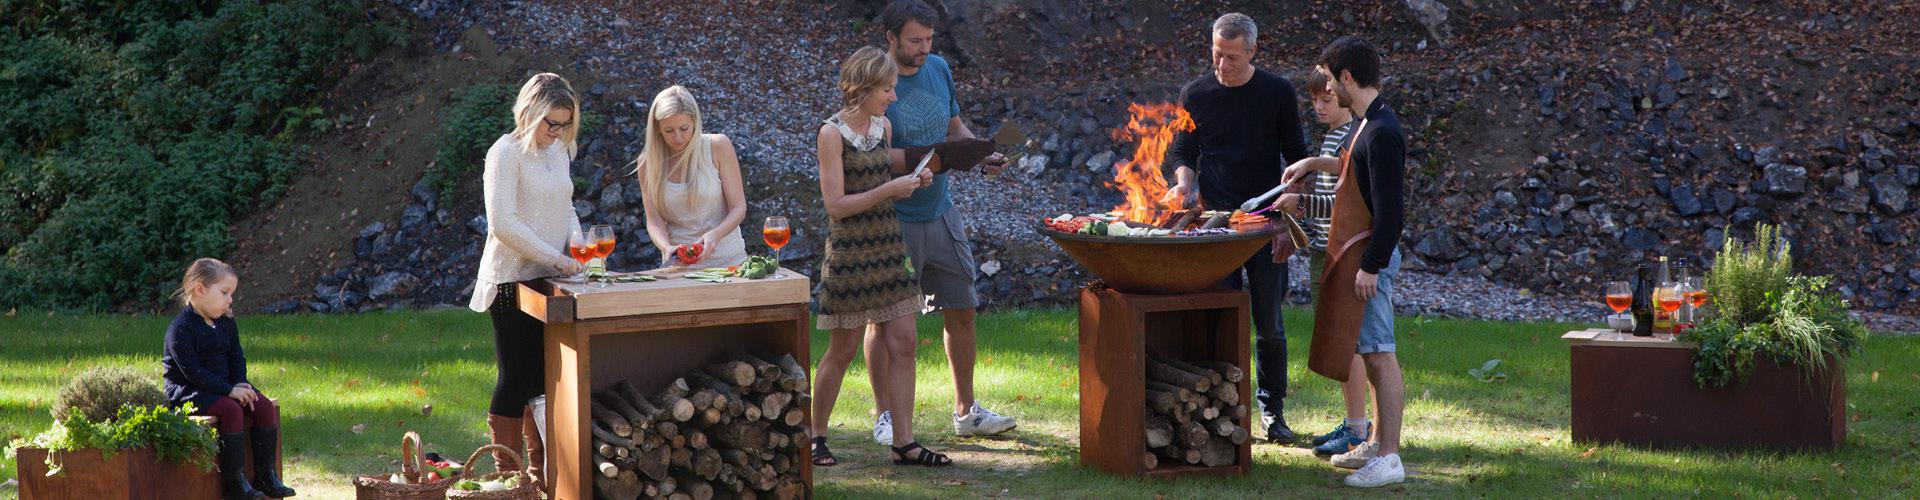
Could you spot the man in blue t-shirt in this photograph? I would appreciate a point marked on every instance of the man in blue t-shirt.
(927, 112)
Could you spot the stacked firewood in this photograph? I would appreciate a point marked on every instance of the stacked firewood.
(730, 430)
(1192, 410)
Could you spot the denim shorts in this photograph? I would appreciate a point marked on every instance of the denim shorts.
(1376, 327)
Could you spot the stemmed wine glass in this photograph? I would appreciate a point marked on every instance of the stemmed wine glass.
(1619, 296)
(581, 248)
(777, 233)
(602, 236)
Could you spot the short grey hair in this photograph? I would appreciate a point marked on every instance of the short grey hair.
(1235, 26)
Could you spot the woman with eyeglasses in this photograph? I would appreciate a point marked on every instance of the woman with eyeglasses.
(529, 197)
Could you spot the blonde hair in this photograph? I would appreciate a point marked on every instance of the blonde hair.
(204, 272)
(863, 72)
(656, 163)
(541, 94)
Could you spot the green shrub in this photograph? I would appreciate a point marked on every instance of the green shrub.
(1762, 309)
(133, 133)
(478, 116)
(98, 394)
(170, 431)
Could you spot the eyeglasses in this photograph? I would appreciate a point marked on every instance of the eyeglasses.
(553, 125)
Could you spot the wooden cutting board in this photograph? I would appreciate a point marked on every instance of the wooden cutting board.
(672, 294)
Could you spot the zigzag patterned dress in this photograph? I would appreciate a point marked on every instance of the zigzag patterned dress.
(866, 278)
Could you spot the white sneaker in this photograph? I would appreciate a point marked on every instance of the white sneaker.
(1357, 457)
(980, 422)
(883, 428)
(1379, 472)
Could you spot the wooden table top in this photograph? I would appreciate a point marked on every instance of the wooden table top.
(677, 294)
(1609, 338)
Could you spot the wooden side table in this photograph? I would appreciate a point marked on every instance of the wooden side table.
(649, 334)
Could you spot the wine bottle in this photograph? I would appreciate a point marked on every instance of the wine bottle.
(1662, 320)
(1642, 303)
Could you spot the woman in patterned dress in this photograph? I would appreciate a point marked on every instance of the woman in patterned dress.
(866, 279)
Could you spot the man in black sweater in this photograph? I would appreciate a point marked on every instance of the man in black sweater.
(1246, 131)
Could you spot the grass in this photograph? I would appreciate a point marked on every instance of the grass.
(375, 372)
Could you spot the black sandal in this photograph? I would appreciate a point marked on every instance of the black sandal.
(823, 457)
(927, 457)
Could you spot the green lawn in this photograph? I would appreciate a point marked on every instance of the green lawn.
(372, 373)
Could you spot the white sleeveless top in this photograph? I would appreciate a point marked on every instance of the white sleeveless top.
(709, 209)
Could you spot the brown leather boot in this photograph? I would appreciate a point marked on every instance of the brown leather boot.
(536, 452)
(505, 431)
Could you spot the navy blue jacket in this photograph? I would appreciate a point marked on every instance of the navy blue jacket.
(203, 363)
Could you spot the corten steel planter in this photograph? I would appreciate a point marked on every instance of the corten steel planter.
(1163, 264)
(1640, 391)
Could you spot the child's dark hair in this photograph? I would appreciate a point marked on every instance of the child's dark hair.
(1353, 55)
(204, 272)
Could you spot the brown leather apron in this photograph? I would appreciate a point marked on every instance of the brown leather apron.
(1338, 313)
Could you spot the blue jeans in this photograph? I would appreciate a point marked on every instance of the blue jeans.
(1376, 329)
(1265, 282)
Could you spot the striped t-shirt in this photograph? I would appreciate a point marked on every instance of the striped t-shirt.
(1323, 183)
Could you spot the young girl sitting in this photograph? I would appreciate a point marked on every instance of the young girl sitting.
(205, 366)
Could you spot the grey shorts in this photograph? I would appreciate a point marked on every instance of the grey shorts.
(1376, 329)
(943, 260)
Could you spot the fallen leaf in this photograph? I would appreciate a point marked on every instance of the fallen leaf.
(1588, 453)
(1840, 468)
(955, 482)
(1876, 375)
(358, 428)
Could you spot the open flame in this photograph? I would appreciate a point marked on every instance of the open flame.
(1152, 126)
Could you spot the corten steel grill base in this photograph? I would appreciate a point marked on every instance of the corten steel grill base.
(1640, 391)
(1163, 265)
(1116, 331)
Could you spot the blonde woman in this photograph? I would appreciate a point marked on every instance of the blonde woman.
(866, 279)
(529, 200)
(690, 183)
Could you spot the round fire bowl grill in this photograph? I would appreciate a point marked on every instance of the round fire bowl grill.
(1163, 264)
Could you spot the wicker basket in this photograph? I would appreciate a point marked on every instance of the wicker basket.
(377, 487)
(526, 490)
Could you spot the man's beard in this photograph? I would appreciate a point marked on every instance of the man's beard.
(907, 61)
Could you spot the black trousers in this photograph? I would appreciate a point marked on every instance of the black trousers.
(1265, 282)
(518, 354)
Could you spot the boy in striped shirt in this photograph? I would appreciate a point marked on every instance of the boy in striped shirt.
(1333, 113)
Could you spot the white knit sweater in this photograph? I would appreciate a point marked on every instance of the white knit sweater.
(529, 199)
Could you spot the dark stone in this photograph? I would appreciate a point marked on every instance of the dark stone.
(1554, 225)
(390, 286)
(1543, 199)
(1685, 201)
(413, 216)
(1746, 216)
(1505, 199)
(1715, 238)
(1742, 153)
(283, 306)
(1887, 233)
(425, 193)
(1784, 179)
(1665, 96)
(1674, 72)
(1766, 156)
(1440, 244)
(1849, 200)
(478, 224)
(583, 208)
(382, 246)
(1640, 239)
(319, 307)
(1724, 200)
(375, 228)
(1889, 193)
